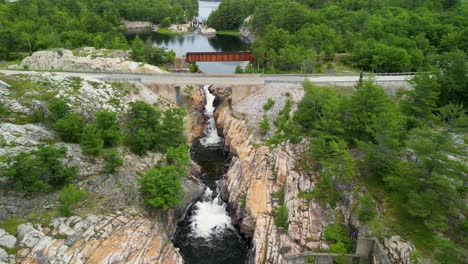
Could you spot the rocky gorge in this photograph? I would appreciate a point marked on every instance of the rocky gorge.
(112, 225)
(114, 228)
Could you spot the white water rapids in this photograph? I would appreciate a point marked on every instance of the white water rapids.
(211, 132)
(210, 217)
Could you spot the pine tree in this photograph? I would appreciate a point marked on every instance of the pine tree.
(138, 50)
(91, 142)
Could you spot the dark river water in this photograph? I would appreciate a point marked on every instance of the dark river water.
(207, 235)
(195, 42)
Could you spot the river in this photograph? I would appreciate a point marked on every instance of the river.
(207, 235)
(195, 42)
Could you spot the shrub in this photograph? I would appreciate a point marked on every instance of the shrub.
(340, 249)
(112, 160)
(336, 233)
(281, 217)
(91, 142)
(180, 158)
(69, 128)
(41, 170)
(265, 124)
(106, 122)
(366, 208)
(269, 104)
(161, 187)
(166, 22)
(58, 109)
(70, 196)
(142, 127)
(193, 67)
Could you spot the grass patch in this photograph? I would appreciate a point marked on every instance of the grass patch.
(5, 64)
(234, 33)
(242, 202)
(167, 31)
(61, 236)
(281, 217)
(10, 225)
(11, 251)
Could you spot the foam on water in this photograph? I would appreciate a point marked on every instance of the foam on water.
(212, 138)
(210, 217)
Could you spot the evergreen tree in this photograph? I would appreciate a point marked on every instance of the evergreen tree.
(108, 126)
(161, 187)
(172, 129)
(112, 160)
(432, 178)
(138, 50)
(69, 128)
(421, 102)
(91, 141)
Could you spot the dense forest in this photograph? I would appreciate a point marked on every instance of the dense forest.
(407, 154)
(31, 25)
(379, 36)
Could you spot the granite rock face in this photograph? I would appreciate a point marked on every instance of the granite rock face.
(7, 240)
(115, 238)
(65, 60)
(208, 31)
(255, 175)
(399, 250)
(246, 32)
(196, 120)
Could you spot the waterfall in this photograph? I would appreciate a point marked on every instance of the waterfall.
(210, 217)
(212, 138)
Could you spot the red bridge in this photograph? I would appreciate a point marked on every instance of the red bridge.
(219, 56)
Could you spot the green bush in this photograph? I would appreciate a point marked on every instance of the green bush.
(269, 104)
(69, 127)
(70, 196)
(142, 126)
(193, 67)
(161, 187)
(265, 124)
(58, 109)
(40, 170)
(112, 160)
(106, 122)
(340, 249)
(366, 208)
(179, 157)
(91, 142)
(281, 217)
(166, 22)
(336, 233)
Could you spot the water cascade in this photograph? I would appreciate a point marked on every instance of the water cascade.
(207, 234)
(212, 138)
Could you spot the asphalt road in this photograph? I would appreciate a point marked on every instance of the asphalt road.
(220, 79)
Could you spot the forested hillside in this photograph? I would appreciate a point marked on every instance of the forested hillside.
(379, 36)
(31, 25)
